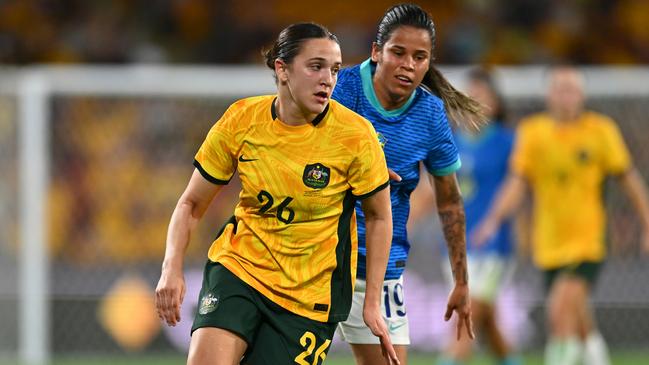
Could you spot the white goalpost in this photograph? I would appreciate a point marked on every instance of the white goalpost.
(36, 86)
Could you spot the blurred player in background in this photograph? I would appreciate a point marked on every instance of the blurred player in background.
(280, 274)
(406, 99)
(564, 156)
(485, 155)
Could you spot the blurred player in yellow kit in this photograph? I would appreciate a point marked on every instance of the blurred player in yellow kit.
(564, 156)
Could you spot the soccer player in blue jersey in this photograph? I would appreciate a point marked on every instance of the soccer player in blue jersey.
(406, 99)
(485, 156)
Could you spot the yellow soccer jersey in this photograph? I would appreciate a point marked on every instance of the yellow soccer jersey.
(566, 165)
(295, 234)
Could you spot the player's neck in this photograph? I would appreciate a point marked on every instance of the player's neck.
(389, 101)
(288, 112)
(566, 116)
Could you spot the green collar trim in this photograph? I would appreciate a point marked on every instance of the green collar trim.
(367, 69)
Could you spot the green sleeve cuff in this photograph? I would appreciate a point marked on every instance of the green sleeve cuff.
(447, 170)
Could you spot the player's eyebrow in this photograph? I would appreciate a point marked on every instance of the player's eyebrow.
(402, 48)
(322, 59)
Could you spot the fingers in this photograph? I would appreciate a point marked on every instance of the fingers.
(158, 305)
(380, 330)
(449, 313)
(168, 306)
(388, 350)
(460, 322)
(175, 307)
(393, 175)
(376, 324)
(469, 327)
(464, 322)
(164, 305)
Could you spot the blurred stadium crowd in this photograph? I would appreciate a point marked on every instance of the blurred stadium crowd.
(229, 31)
(117, 166)
(88, 198)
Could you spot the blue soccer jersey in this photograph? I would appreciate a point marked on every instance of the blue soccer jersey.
(484, 167)
(418, 131)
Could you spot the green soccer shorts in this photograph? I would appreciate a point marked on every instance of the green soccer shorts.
(274, 335)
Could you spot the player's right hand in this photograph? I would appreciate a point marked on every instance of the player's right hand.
(460, 302)
(169, 295)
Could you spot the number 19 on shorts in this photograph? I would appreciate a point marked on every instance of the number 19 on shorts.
(393, 300)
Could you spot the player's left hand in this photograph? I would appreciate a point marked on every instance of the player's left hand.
(460, 302)
(374, 321)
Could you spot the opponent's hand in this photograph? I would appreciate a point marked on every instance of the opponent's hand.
(376, 324)
(169, 295)
(459, 301)
(393, 175)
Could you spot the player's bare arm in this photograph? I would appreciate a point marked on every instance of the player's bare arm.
(509, 198)
(636, 190)
(451, 214)
(378, 223)
(189, 210)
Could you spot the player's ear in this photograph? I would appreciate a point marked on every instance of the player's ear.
(376, 51)
(281, 70)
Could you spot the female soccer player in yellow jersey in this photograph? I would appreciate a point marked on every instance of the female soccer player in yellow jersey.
(564, 156)
(280, 274)
(406, 98)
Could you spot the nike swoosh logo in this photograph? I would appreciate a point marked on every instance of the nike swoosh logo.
(392, 327)
(241, 159)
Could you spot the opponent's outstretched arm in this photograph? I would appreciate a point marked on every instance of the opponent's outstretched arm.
(451, 214)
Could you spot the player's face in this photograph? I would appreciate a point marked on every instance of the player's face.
(312, 75)
(565, 93)
(481, 92)
(403, 61)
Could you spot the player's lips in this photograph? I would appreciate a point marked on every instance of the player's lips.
(404, 80)
(322, 96)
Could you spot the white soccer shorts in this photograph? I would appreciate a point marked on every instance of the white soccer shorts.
(354, 330)
(488, 274)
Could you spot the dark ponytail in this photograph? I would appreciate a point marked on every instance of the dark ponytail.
(289, 42)
(463, 110)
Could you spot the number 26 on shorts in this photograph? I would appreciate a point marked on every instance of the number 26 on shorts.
(308, 341)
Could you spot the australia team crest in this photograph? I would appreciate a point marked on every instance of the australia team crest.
(208, 303)
(316, 176)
